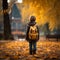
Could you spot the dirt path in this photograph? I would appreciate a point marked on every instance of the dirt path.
(16, 50)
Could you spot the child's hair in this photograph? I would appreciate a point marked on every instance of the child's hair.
(32, 18)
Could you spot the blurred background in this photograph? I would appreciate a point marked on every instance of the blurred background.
(47, 13)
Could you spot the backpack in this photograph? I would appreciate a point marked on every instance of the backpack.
(33, 32)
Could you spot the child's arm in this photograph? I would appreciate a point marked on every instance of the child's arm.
(27, 37)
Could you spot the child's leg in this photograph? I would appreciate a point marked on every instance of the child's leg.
(34, 47)
(30, 48)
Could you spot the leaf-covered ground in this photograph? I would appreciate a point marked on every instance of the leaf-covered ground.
(17, 50)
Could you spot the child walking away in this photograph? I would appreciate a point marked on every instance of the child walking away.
(32, 35)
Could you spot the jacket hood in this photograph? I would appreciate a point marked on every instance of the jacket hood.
(31, 23)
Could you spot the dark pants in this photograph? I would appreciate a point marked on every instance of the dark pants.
(32, 47)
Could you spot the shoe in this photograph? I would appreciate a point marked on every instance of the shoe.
(34, 51)
(31, 53)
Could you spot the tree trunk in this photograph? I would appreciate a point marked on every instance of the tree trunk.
(7, 27)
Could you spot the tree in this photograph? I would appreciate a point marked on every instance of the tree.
(46, 27)
(7, 27)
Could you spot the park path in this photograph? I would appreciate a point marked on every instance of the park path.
(19, 50)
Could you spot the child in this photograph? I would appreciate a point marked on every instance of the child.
(32, 35)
